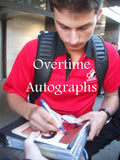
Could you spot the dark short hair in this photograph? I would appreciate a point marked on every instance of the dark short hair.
(114, 43)
(76, 5)
(119, 54)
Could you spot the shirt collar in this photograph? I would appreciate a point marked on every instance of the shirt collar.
(60, 48)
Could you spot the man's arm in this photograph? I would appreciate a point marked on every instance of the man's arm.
(98, 118)
(38, 117)
(18, 104)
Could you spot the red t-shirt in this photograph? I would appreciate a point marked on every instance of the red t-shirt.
(74, 95)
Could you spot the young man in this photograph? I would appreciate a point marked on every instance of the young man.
(75, 22)
(115, 45)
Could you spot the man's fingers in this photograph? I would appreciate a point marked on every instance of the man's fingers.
(93, 131)
(90, 136)
(41, 120)
(84, 117)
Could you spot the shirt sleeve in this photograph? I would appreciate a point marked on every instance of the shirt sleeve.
(22, 72)
(112, 78)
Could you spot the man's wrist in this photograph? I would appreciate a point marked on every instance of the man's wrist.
(31, 109)
(107, 113)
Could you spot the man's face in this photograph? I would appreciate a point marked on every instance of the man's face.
(115, 45)
(75, 29)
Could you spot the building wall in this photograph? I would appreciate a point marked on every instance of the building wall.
(0, 50)
(20, 30)
(119, 38)
(49, 24)
(111, 31)
(100, 27)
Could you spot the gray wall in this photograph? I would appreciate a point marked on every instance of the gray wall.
(111, 31)
(20, 30)
(0, 50)
(119, 38)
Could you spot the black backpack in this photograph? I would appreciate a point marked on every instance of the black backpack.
(46, 52)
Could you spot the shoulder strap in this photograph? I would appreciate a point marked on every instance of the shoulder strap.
(101, 59)
(45, 55)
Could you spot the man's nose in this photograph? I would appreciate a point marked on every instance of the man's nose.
(74, 37)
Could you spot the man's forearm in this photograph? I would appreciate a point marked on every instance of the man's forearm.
(111, 102)
(19, 104)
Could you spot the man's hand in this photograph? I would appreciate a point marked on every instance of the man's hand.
(41, 120)
(31, 149)
(38, 117)
(97, 120)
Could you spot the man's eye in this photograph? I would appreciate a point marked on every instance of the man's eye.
(64, 27)
(83, 28)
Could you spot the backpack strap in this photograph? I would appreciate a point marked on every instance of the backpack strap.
(101, 59)
(46, 54)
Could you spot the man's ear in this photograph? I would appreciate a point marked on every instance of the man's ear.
(99, 14)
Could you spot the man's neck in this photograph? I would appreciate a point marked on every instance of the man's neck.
(76, 55)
